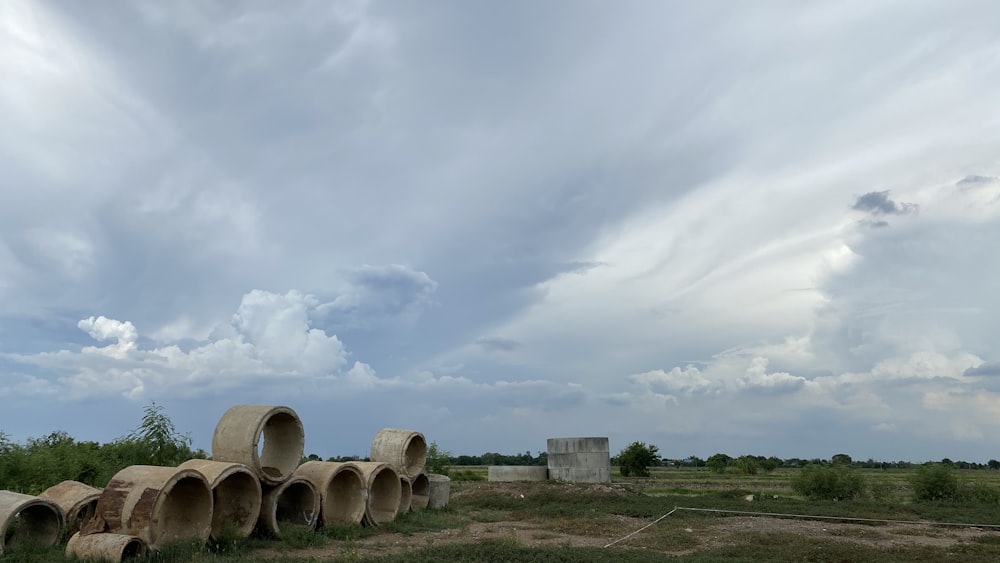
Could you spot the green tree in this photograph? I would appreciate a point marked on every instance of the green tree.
(438, 460)
(994, 464)
(841, 459)
(157, 441)
(718, 462)
(636, 459)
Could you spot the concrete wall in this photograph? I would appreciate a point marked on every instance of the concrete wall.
(518, 473)
(579, 460)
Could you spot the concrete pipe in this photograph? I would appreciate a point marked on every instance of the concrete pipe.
(105, 547)
(341, 489)
(419, 487)
(236, 496)
(579, 460)
(267, 439)
(438, 491)
(160, 505)
(384, 491)
(404, 450)
(509, 473)
(28, 521)
(292, 503)
(405, 495)
(77, 500)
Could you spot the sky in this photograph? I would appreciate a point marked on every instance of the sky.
(766, 228)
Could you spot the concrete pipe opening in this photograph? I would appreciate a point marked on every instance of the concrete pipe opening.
(419, 488)
(77, 500)
(341, 489)
(160, 505)
(384, 491)
(438, 491)
(404, 450)
(292, 503)
(27, 521)
(405, 495)
(236, 496)
(105, 547)
(267, 439)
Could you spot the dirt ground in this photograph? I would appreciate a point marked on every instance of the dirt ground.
(538, 534)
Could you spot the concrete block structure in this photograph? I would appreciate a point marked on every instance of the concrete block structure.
(579, 460)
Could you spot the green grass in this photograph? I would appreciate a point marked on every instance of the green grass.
(551, 509)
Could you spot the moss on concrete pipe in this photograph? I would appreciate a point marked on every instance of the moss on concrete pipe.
(105, 547)
(384, 491)
(419, 488)
(27, 521)
(78, 502)
(160, 505)
(404, 450)
(294, 502)
(236, 496)
(267, 439)
(438, 491)
(342, 491)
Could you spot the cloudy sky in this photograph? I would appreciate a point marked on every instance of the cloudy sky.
(752, 228)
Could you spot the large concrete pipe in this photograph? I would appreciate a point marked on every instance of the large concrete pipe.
(419, 487)
(77, 500)
(292, 503)
(342, 490)
(508, 473)
(236, 496)
(438, 490)
(579, 460)
(384, 491)
(160, 505)
(404, 450)
(267, 439)
(405, 495)
(27, 521)
(105, 547)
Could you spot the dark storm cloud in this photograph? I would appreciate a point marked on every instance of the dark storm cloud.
(988, 369)
(878, 203)
(497, 344)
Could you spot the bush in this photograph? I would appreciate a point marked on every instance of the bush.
(438, 460)
(829, 483)
(933, 481)
(636, 459)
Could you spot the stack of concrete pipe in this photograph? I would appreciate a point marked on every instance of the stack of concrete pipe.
(285, 498)
(252, 483)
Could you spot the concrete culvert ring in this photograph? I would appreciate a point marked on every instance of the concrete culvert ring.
(78, 502)
(404, 450)
(294, 502)
(419, 490)
(267, 439)
(341, 488)
(183, 511)
(384, 491)
(105, 547)
(28, 521)
(159, 505)
(236, 496)
(405, 495)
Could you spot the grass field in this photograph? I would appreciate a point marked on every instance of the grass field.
(564, 522)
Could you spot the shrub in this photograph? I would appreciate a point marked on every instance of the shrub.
(933, 481)
(438, 460)
(829, 483)
(636, 459)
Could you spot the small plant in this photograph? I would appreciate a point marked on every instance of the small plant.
(636, 459)
(933, 481)
(829, 483)
(438, 460)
